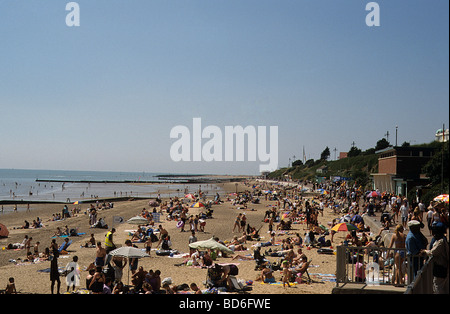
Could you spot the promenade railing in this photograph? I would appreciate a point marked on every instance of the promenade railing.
(372, 266)
(423, 281)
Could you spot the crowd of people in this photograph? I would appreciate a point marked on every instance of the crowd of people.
(287, 208)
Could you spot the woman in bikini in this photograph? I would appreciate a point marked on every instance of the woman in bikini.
(398, 239)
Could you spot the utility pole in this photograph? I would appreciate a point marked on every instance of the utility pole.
(387, 136)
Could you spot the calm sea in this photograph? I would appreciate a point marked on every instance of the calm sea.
(17, 184)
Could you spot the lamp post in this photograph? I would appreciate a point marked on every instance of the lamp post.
(396, 133)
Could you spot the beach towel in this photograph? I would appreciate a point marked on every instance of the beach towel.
(324, 277)
(181, 255)
(47, 270)
(277, 283)
(66, 236)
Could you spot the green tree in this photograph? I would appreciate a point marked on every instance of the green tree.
(297, 163)
(309, 162)
(360, 177)
(325, 154)
(437, 168)
(382, 144)
(354, 151)
(406, 144)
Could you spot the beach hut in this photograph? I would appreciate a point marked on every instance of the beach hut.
(3, 231)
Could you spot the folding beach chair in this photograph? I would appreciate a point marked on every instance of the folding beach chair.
(304, 270)
(63, 248)
(237, 286)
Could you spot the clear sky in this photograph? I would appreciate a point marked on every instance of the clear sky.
(105, 95)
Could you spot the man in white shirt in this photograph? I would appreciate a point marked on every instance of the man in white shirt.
(404, 211)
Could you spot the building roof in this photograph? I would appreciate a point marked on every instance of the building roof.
(403, 148)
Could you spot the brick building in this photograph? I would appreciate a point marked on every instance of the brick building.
(400, 168)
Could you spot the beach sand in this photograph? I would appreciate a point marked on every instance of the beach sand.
(29, 280)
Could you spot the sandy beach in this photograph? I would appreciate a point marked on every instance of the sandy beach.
(29, 279)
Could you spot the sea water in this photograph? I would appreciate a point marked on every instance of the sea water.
(71, 186)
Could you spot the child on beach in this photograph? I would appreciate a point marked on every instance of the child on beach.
(73, 274)
(148, 245)
(195, 288)
(360, 270)
(286, 273)
(11, 286)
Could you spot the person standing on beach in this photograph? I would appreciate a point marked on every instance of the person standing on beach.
(398, 239)
(73, 274)
(192, 239)
(286, 274)
(109, 242)
(404, 211)
(415, 242)
(28, 245)
(162, 234)
(54, 272)
(132, 262)
(237, 223)
(100, 255)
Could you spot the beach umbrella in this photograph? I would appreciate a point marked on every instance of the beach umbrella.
(76, 203)
(128, 252)
(325, 192)
(373, 194)
(441, 198)
(344, 226)
(138, 220)
(3, 231)
(210, 244)
(190, 195)
(198, 204)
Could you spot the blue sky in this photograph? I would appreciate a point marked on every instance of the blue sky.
(105, 95)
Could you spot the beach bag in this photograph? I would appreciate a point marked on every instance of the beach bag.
(165, 245)
(153, 237)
